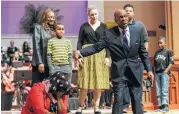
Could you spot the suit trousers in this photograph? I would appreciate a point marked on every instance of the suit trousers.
(126, 101)
(128, 81)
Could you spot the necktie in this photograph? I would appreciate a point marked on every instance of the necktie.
(125, 42)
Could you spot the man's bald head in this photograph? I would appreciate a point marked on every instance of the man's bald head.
(118, 12)
(121, 18)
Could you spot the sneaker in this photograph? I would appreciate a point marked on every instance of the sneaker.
(159, 109)
(165, 109)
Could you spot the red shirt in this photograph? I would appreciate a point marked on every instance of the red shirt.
(38, 101)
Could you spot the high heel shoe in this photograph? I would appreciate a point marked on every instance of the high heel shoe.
(79, 110)
(96, 110)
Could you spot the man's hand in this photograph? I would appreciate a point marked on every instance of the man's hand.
(165, 72)
(150, 75)
(106, 61)
(110, 83)
(41, 68)
(74, 86)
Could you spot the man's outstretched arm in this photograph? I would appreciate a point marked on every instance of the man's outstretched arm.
(100, 45)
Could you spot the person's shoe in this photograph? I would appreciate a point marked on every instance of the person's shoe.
(78, 113)
(68, 111)
(96, 110)
(165, 109)
(79, 110)
(144, 111)
(125, 110)
(159, 109)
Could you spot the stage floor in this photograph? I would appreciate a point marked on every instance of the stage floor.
(104, 111)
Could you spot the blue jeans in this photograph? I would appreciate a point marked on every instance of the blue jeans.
(161, 82)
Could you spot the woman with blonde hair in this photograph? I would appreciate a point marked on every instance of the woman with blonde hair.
(93, 70)
(42, 33)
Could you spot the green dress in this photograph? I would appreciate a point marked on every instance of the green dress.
(93, 74)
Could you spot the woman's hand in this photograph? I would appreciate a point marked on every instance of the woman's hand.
(59, 95)
(61, 104)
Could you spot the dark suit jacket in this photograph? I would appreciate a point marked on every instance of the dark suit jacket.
(40, 40)
(121, 58)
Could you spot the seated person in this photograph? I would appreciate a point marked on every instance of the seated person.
(26, 51)
(7, 80)
(46, 97)
(11, 50)
(15, 57)
(21, 55)
(4, 57)
(18, 56)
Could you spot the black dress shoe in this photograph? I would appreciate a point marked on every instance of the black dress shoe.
(78, 113)
(97, 112)
(144, 111)
(124, 111)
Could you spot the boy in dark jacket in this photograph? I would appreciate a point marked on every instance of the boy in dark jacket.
(163, 61)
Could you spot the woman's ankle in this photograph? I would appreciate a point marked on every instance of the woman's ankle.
(80, 108)
(96, 109)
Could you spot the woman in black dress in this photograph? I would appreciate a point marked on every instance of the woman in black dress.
(93, 71)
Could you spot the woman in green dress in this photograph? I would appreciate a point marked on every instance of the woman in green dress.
(93, 72)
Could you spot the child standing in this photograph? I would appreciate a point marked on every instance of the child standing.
(163, 61)
(59, 56)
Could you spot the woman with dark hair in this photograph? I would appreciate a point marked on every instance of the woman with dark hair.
(47, 97)
(26, 48)
(42, 33)
(26, 51)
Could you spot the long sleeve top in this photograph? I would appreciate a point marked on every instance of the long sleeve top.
(88, 36)
(38, 101)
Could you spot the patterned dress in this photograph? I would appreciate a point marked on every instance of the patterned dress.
(93, 74)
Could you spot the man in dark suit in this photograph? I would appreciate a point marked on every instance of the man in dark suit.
(126, 46)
